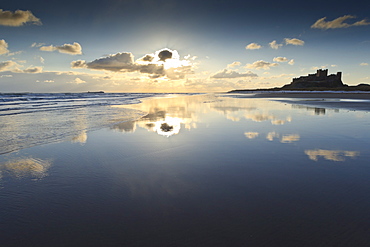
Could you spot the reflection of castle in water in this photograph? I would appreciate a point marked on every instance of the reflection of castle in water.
(316, 110)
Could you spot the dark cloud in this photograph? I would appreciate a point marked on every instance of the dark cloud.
(147, 58)
(78, 64)
(116, 62)
(33, 70)
(164, 54)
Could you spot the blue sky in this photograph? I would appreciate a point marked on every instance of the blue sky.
(76, 46)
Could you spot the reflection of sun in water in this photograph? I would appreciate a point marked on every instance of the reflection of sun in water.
(168, 127)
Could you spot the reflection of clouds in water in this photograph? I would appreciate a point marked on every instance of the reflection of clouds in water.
(26, 130)
(288, 138)
(81, 138)
(271, 135)
(166, 116)
(129, 126)
(237, 109)
(278, 122)
(251, 135)
(334, 155)
(28, 167)
(233, 118)
(261, 117)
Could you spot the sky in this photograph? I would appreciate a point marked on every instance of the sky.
(178, 46)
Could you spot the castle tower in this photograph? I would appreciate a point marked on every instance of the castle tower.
(322, 73)
(339, 75)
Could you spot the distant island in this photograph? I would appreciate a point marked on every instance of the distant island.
(95, 92)
(320, 81)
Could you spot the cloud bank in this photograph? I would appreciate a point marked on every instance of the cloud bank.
(18, 18)
(338, 23)
(261, 65)
(163, 63)
(73, 49)
(232, 74)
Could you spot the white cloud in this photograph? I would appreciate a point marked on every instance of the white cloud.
(73, 49)
(77, 81)
(163, 63)
(8, 65)
(275, 45)
(338, 23)
(280, 59)
(364, 64)
(3, 47)
(291, 62)
(253, 46)
(18, 18)
(234, 64)
(293, 41)
(232, 74)
(16, 68)
(261, 65)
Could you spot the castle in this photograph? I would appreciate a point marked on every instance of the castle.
(319, 80)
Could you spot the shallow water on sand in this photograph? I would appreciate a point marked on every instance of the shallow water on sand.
(200, 170)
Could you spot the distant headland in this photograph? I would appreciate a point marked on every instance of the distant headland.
(320, 81)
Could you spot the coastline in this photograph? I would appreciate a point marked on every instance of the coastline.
(339, 100)
(315, 94)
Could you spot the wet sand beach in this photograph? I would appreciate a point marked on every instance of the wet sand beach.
(345, 100)
(324, 95)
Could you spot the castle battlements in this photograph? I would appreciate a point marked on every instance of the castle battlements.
(320, 75)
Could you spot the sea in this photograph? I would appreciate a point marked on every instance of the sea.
(28, 119)
(137, 170)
